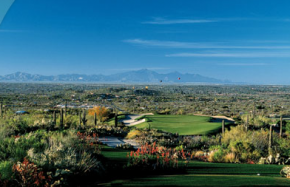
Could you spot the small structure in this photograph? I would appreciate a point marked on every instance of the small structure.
(20, 112)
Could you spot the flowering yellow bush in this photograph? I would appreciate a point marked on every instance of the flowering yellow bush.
(230, 157)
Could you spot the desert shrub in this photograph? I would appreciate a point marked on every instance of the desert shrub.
(260, 140)
(284, 145)
(230, 157)
(28, 174)
(257, 121)
(6, 170)
(5, 130)
(152, 157)
(179, 148)
(101, 112)
(10, 149)
(133, 134)
(69, 158)
(65, 151)
(71, 121)
(244, 151)
(180, 112)
(200, 155)
(21, 126)
(16, 147)
(235, 134)
(200, 142)
(209, 141)
(249, 140)
(287, 128)
(261, 121)
(193, 142)
(217, 154)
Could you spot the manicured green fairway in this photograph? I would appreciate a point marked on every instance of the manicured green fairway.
(204, 180)
(203, 174)
(115, 155)
(183, 124)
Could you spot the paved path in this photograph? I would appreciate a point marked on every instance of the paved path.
(130, 120)
(112, 141)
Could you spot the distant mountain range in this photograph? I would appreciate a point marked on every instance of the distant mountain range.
(140, 76)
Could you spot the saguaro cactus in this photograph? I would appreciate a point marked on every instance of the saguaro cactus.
(80, 119)
(53, 120)
(84, 120)
(254, 111)
(1, 110)
(270, 140)
(116, 120)
(281, 126)
(95, 119)
(65, 108)
(223, 127)
(61, 119)
(247, 122)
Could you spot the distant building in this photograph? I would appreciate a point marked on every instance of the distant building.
(21, 112)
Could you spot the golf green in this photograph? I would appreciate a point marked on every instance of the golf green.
(182, 124)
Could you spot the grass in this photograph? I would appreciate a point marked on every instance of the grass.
(200, 174)
(115, 155)
(183, 124)
(112, 120)
(204, 180)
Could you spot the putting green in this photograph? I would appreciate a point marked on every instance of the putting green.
(183, 124)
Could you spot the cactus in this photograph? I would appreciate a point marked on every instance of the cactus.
(281, 126)
(84, 120)
(61, 119)
(80, 119)
(223, 127)
(247, 123)
(65, 108)
(53, 120)
(1, 110)
(116, 120)
(95, 119)
(270, 140)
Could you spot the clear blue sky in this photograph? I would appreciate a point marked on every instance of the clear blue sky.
(239, 40)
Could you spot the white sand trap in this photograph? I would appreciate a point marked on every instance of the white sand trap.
(130, 120)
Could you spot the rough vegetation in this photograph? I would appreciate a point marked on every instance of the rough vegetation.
(56, 140)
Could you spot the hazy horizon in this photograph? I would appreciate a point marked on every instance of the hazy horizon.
(242, 41)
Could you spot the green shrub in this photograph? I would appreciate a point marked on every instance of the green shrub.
(6, 170)
(284, 145)
(217, 154)
(244, 151)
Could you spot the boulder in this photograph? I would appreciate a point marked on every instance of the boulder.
(285, 172)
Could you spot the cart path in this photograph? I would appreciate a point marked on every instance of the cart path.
(112, 141)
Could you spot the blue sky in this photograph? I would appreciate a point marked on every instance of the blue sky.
(239, 40)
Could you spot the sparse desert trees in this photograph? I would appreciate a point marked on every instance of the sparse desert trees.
(101, 112)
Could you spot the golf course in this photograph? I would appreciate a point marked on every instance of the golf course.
(182, 124)
(201, 174)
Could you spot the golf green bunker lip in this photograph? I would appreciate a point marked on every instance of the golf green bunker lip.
(183, 124)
